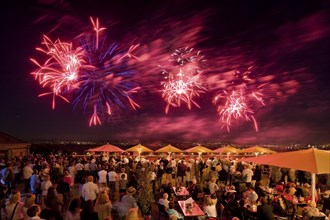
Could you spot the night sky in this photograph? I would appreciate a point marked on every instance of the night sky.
(286, 43)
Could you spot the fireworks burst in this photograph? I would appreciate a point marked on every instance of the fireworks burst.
(234, 107)
(60, 72)
(95, 74)
(182, 82)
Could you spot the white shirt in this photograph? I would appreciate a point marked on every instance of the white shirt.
(112, 176)
(248, 173)
(89, 191)
(27, 172)
(86, 166)
(79, 166)
(210, 210)
(44, 187)
(102, 176)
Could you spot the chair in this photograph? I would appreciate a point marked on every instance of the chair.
(162, 211)
(326, 205)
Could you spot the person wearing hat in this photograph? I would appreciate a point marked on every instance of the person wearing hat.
(306, 189)
(127, 202)
(312, 210)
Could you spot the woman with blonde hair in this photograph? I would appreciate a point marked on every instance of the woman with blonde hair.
(29, 201)
(14, 208)
(103, 205)
(133, 214)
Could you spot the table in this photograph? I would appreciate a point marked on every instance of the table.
(194, 212)
(182, 192)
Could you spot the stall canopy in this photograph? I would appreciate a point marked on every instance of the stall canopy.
(311, 160)
(199, 149)
(139, 148)
(169, 149)
(258, 150)
(227, 149)
(106, 148)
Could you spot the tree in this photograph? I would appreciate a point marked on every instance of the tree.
(145, 195)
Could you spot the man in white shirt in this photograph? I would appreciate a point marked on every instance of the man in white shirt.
(90, 190)
(80, 171)
(247, 173)
(103, 176)
(112, 177)
(27, 173)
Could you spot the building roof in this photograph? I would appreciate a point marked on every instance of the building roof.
(8, 139)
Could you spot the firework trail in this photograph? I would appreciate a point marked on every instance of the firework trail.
(238, 103)
(235, 107)
(96, 74)
(182, 81)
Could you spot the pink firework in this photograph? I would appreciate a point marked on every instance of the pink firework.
(182, 82)
(60, 72)
(235, 107)
(95, 75)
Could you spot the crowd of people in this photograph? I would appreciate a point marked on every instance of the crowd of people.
(96, 187)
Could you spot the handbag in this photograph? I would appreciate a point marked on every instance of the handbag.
(12, 215)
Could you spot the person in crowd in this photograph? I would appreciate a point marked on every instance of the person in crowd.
(35, 185)
(33, 212)
(173, 212)
(67, 178)
(133, 182)
(275, 175)
(102, 174)
(112, 178)
(164, 201)
(88, 211)
(213, 187)
(13, 208)
(53, 203)
(134, 214)
(64, 189)
(312, 210)
(223, 175)
(45, 185)
(292, 189)
(72, 172)
(160, 172)
(264, 211)
(103, 205)
(90, 190)
(122, 182)
(306, 189)
(9, 177)
(79, 167)
(152, 178)
(193, 189)
(29, 201)
(209, 207)
(247, 173)
(127, 202)
(188, 175)
(27, 173)
(73, 213)
(279, 187)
